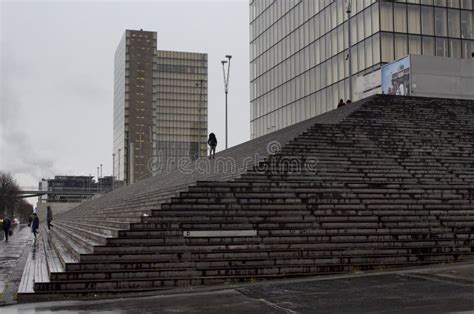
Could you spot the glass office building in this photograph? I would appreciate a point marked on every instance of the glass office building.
(299, 49)
(180, 126)
(160, 106)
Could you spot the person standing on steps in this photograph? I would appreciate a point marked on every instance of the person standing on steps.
(35, 225)
(6, 227)
(212, 141)
(49, 216)
(341, 103)
(348, 102)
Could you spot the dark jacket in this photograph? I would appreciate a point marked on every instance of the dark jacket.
(212, 141)
(35, 224)
(341, 104)
(6, 224)
(49, 214)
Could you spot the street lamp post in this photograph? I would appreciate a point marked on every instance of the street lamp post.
(349, 55)
(226, 89)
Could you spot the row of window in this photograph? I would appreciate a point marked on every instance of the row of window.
(174, 61)
(365, 55)
(426, 20)
(309, 106)
(180, 76)
(181, 69)
(307, 15)
(165, 54)
(309, 34)
(414, 19)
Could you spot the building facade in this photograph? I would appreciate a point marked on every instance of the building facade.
(69, 189)
(160, 106)
(299, 49)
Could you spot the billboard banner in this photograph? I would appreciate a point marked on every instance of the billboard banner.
(396, 78)
(367, 85)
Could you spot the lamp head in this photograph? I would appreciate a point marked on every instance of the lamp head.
(228, 56)
(224, 61)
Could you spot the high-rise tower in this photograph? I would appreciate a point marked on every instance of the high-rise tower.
(160, 106)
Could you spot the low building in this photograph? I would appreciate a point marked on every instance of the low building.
(70, 189)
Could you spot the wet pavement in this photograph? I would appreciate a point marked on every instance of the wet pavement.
(12, 255)
(436, 289)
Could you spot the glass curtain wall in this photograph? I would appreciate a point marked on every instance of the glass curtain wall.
(180, 107)
(299, 48)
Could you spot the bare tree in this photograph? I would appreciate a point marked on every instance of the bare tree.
(23, 210)
(9, 191)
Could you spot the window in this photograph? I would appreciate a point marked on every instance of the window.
(387, 47)
(454, 23)
(376, 49)
(453, 3)
(466, 4)
(375, 19)
(368, 23)
(386, 16)
(401, 46)
(414, 44)
(368, 53)
(400, 17)
(428, 46)
(441, 47)
(427, 25)
(466, 24)
(361, 55)
(467, 48)
(414, 19)
(455, 48)
(441, 24)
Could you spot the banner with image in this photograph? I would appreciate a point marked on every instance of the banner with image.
(396, 78)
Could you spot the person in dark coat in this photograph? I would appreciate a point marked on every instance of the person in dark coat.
(49, 216)
(6, 227)
(341, 103)
(35, 224)
(212, 141)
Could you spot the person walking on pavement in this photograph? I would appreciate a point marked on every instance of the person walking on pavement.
(35, 225)
(212, 141)
(49, 216)
(6, 227)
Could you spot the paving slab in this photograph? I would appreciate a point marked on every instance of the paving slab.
(418, 290)
(12, 255)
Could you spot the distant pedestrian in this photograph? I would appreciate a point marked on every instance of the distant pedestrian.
(341, 103)
(6, 227)
(49, 216)
(348, 102)
(212, 141)
(35, 210)
(35, 225)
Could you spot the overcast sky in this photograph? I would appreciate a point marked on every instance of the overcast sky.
(56, 76)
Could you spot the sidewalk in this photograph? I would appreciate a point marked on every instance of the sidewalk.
(447, 288)
(11, 255)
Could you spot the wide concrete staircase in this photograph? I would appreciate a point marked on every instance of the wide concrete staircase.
(388, 182)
